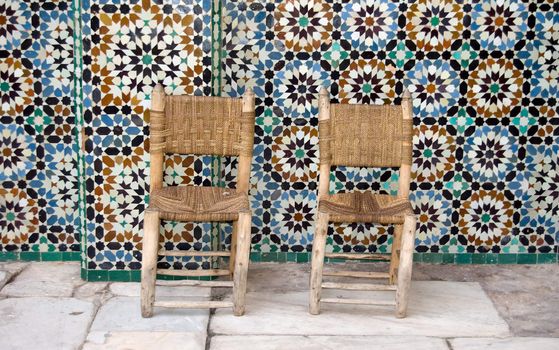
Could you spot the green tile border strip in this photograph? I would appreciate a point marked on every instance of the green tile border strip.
(128, 276)
(486, 258)
(282, 257)
(429, 258)
(40, 256)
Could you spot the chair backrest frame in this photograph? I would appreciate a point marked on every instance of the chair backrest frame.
(159, 145)
(325, 134)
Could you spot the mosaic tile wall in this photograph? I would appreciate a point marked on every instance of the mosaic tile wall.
(484, 79)
(128, 47)
(483, 74)
(38, 133)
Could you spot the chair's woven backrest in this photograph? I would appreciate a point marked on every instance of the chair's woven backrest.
(366, 135)
(204, 125)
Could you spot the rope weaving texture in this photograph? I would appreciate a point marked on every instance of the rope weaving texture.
(324, 142)
(195, 203)
(157, 131)
(208, 125)
(205, 126)
(366, 207)
(365, 135)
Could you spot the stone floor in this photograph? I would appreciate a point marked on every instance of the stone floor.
(47, 306)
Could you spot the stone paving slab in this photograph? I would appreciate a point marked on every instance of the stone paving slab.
(45, 323)
(150, 341)
(436, 309)
(264, 342)
(91, 289)
(3, 278)
(132, 289)
(13, 267)
(45, 279)
(525, 295)
(121, 314)
(9, 269)
(516, 343)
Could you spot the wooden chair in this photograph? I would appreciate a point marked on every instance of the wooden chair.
(371, 136)
(199, 125)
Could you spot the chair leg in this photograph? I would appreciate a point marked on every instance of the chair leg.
(405, 269)
(233, 250)
(150, 246)
(395, 253)
(317, 263)
(241, 263)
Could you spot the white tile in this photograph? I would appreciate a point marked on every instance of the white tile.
(45, 279)
(13, 267)
(45, 323)
(91, 289)
(3, 278)
(132, 289)
(437, 309)
(264, 342)
(150, 341)
(505, 344)
(123, 314)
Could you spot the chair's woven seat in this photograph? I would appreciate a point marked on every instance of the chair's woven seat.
(195, 203)
(365, 207)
